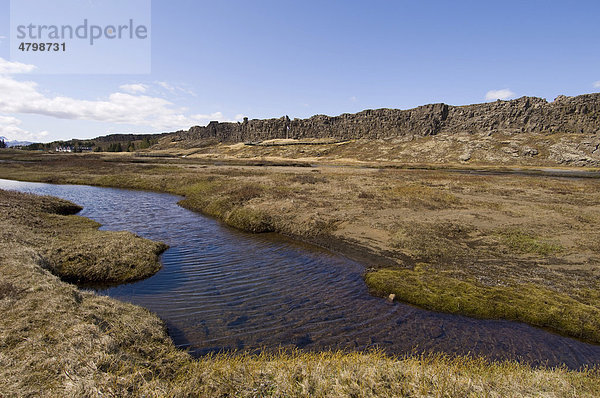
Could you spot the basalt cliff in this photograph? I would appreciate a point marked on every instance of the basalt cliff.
(527, 131)
(579, 114)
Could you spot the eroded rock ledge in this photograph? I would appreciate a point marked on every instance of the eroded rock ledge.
(578, 115)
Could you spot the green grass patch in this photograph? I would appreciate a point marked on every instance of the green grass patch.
(534, 305)
(525, 242)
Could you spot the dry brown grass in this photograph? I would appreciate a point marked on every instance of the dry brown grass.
(446, 148)
(496, 230)
(56, 340)
(80, 253)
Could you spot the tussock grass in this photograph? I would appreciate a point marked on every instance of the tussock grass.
(9, 291)
(229, 202)
(248, 219)
(525, 303)
(308, 179)
(118, 257)
(72, 246)
(297, 374)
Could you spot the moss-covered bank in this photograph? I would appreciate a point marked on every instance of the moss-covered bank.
(524, 303)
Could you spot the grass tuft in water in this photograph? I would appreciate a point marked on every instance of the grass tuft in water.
(525, 303)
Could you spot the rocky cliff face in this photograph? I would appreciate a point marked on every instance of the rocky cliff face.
(579, 114)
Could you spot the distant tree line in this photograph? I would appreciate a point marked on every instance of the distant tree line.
(130, 146)
(2, 143)
(39, 146)
(77, 146)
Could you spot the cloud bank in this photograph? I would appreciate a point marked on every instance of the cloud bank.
(129, 106)
(10, 128)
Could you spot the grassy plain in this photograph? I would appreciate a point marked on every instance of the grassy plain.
(56, 340)
(520, 247)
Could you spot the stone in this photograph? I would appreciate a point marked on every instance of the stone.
(574, 115)
(465, 157)
(530, 152)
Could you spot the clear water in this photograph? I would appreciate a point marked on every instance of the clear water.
(221, 289)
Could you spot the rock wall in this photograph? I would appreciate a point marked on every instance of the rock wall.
(579, 114)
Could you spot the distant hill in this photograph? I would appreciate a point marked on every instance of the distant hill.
(15, 143)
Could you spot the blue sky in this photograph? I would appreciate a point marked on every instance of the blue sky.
(227, 59)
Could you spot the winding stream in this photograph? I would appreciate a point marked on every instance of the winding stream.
(221, 289)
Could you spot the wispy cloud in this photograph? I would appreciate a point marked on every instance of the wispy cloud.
(502, 94)
(134, 88)
(132, 108)
(212, 116)
(166, 86)
(176, 89)
(597, 84)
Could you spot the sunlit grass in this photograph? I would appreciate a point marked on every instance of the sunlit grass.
(525, 242)
(525, 303)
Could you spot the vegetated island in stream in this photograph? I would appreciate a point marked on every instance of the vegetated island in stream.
(458, 209)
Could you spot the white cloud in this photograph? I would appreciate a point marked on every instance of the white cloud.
(10, 128)
(176, 89)
(353, 99)
(239, 117)
(597, 84)
(166, 86)
(503, 94)
(213, 116)
(134, 88)
(139, 110)
(11, 68)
